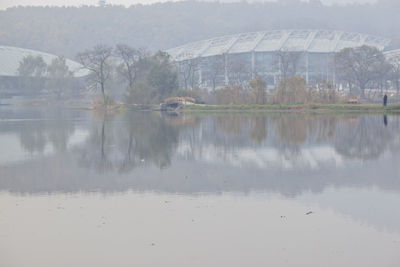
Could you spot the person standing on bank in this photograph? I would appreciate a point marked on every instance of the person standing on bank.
(385, 100)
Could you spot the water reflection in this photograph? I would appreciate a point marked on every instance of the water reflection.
(260, 173)
(284, 153)
(365, 138)
(55, 131)
(124, 142)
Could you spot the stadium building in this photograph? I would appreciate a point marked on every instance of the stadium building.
(271, 55)
(12, 85)
(10, 57)
(393, 56)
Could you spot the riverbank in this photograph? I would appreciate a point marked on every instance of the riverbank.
(205, 108)
(356, 108)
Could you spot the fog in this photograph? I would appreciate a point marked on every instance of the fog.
(67, 31)
(11, 3)
(199, 133)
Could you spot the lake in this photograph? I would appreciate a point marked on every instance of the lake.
(84, 188)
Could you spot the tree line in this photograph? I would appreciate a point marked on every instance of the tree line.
(55, 77)
(145, 78)
(367, 67)
(133, 74)
(356, 69)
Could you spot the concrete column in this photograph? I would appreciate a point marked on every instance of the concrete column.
(200, 75)
(280, 68)
(253, 63)
(226, 69)
(307, 77)
(327, 68)
(334, 79)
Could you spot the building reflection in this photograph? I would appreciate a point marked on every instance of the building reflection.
(284, 153)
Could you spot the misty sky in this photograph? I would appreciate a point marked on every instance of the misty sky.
(9, 3)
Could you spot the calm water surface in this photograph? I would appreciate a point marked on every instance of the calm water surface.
(79, 188)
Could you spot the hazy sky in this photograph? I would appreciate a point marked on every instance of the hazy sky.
(9, 3)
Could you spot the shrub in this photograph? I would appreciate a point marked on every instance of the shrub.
(291, 91)
(141, 93)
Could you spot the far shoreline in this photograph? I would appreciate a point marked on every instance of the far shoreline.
(296, 108)
(393, 109)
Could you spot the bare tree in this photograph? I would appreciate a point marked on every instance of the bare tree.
(287, 63)
(383, 74)
(395, 73)
(216, 69)
(238, 72)
(196, 67)
(259, 88)
(128, 68)
(292, 91)
(59, 77)
(187, 70)
(97, 61)
(360, 66)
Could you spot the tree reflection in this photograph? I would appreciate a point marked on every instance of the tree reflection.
(53, 128)
(285, 153)
(59, 129)
(230, 124)
(291, 132)
(364, 137)
(154, 138)
(97, 150)
(258, 129)
(136, 139)
(32, 137)
(128, 141)
(149, 139)
(357, 137)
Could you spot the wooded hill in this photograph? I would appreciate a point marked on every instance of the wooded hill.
(68, 30)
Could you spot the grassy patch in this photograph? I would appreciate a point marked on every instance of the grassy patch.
(340, 107)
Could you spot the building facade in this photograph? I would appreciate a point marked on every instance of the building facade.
(272, 55)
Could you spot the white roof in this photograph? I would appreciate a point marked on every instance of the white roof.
(393, 55)
(10, 57)
(314, 41)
